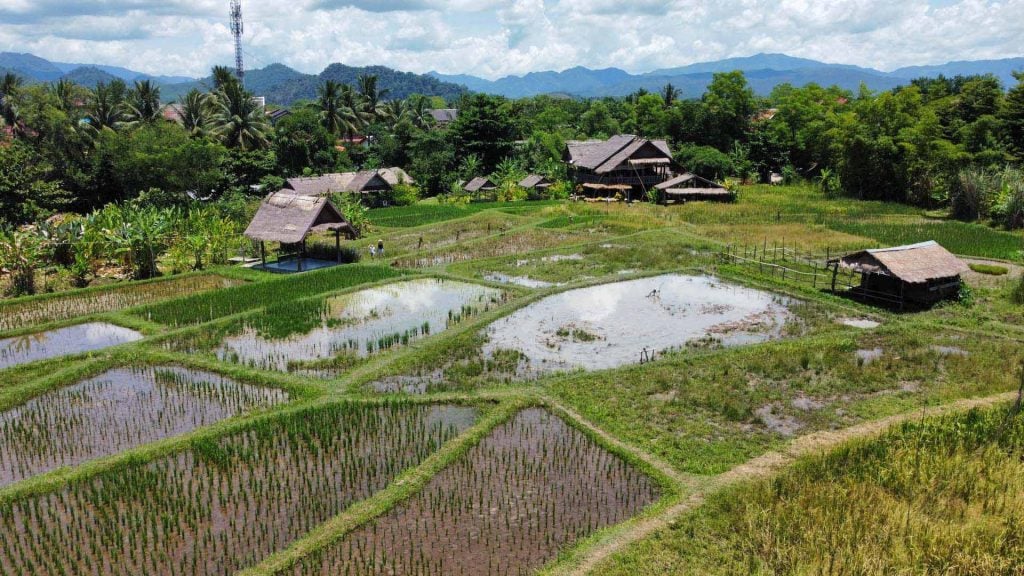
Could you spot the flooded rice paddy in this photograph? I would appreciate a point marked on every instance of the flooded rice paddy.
(533, 487)
(621, 323)
(524, 281)
(365, 322)
(227, 504)
(63, 342)
(115, 411)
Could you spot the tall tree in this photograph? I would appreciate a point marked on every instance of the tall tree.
(731, 103)
(143, 102)
(335, 108)
(10, 86)
(222, 76)
(1012, 116)
(196, 112)
(669, 94)
(240, 121)
(105, 105)
(372, 96)
(485, 129)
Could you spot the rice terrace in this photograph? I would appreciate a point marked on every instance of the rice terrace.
(762, 315)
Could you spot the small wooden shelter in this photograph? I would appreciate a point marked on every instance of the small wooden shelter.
(289, 217)
(921, 274)
(535, 182)
(480, 184)
(690, 187)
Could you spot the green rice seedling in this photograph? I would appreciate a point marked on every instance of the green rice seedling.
(206, 307)
(225, 504)
(990, 269)
(533, 487)
(957, 237)
(21, 313)
(117, 410)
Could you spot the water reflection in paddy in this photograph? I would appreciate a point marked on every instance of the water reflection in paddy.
(365, 322)
(611, 325)
(62, 342)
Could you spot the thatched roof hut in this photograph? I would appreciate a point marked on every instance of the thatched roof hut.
(535, 181)
(289, 218)
(690, 187)
(922, 273)
(480, 184)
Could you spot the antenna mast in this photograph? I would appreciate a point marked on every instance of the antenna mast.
(236, 31)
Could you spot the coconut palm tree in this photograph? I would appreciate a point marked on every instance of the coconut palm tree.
(105, 106)
(372, 96)
(240, 122)
(66, 93)
(338, 108)
(417, 109)
(10, 86)
(670, 94)
(143, 103)
(393, 111)
(196, 112)
(222, 76)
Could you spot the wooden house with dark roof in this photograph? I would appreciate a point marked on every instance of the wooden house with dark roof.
(920, 274)
(373, 186)
(689, 188)
(288, 218)
(444, 116)
(623, 164)
(535, 182)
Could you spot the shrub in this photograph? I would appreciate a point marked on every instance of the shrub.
(990, 269)
(705, 161)
(972, 193)
(405, 195)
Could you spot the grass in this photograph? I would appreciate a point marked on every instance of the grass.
(206, 307)
(990, 269)
(940, 496)
(681, 420)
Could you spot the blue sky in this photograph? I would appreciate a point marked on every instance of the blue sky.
(493, 38)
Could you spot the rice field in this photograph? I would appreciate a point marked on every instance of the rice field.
(199, 308)
(957, 237)
(226, 504)
(22, 313)
(75, 339)
(357, 325)
(115, 411)
(530, 489)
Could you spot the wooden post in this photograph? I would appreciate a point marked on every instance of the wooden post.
(263, 253)
(835, 272)
(302, 254)
(337, 245)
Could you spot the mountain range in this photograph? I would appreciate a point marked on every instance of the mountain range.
(283, 86)
(763, 72)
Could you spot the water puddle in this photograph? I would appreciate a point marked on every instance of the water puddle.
(949, 351)
(615, 324)
(524, 281)
(865, 357)
(120, 409)
(862, 323)
(360, 324)
(63, 342)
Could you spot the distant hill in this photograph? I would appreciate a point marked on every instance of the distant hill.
(283, 86)
(764, 72)
(89, 76)
(30, 67)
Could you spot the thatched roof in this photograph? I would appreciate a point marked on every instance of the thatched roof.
(479, 183)
(445, 115)
(395, 176)
(698, 192)
(602, 156)
(534, 181)
(688, 181)
(288, 217)
(359, 182)
(914, 264)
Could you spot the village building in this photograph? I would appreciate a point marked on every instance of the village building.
(288, 218)
(535, 182)
(480, 185)
(919, 274)
(623, 165)
(373, 186)
(277, 115)
(444, 116)
(689, 188)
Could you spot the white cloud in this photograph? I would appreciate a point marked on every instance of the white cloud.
(498, 37)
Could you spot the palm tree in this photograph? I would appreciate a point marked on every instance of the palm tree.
(669, 94)
(65, 92)
(10, 86)
(417, 109)
(240, 122)
(196, 112)
(372, 96)
(143, 102)
(222, 76)
(338, 108)
(105, 106)
(393, 111)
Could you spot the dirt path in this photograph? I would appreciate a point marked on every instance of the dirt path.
(761, 467)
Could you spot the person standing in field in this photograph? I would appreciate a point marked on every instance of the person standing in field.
(380, 248)
(373, 251)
